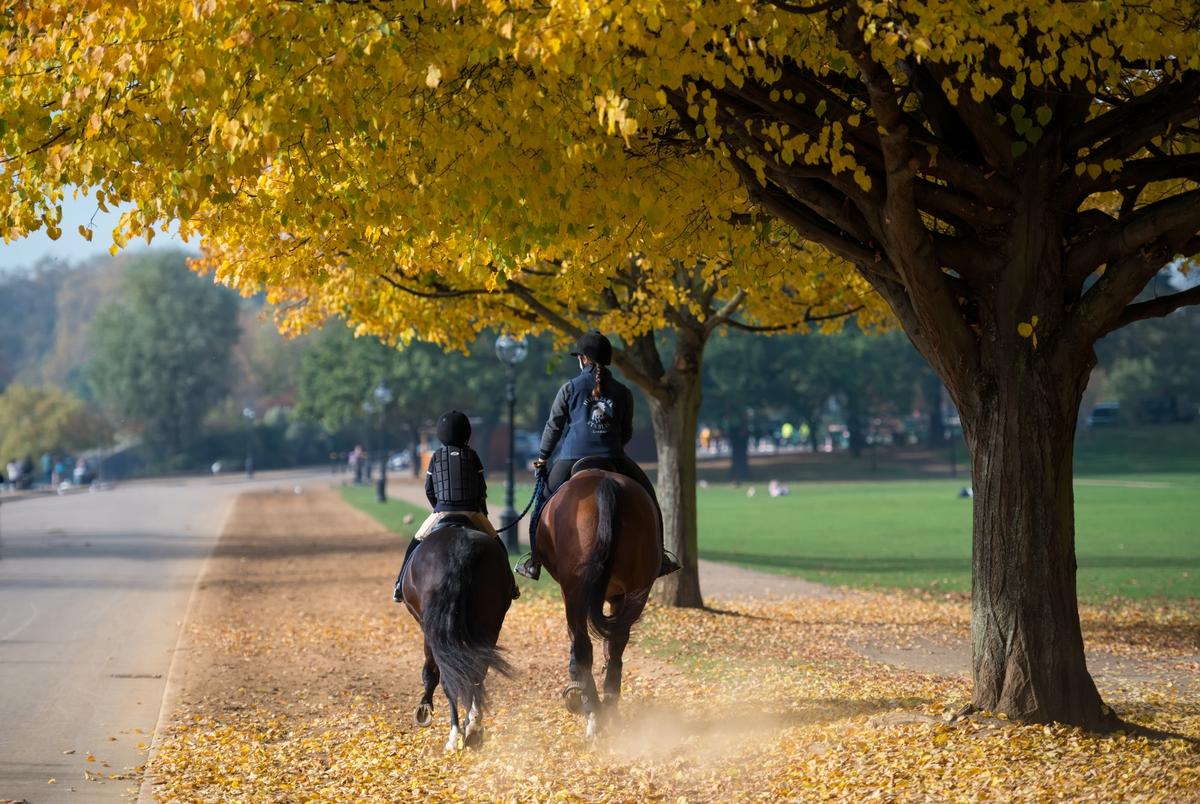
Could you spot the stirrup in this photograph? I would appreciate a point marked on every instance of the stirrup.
(528, 569)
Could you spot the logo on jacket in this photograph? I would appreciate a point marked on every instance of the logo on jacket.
(600, 414)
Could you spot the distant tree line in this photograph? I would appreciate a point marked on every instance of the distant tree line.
(140, 350)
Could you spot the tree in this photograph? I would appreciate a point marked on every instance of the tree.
(869, 374)
(38, 420)
(977, 163)
(339, 371)
(28, 310)
(518, 252)
(162, 351)
(1154, 367)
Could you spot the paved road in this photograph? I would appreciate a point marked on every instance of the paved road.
(93, 589)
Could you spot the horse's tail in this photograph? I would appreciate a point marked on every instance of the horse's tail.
(597, 568)
(462, 654)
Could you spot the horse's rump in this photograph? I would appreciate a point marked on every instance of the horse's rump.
(459, 578)
(601, 542)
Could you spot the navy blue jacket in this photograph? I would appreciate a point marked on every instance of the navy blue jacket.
(586, 426)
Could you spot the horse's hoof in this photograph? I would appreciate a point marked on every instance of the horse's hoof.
(593, 727)
(573, 698)
(424, 715)
(455, 743)
(474, 738)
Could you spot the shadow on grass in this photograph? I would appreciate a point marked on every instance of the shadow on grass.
(941, 565)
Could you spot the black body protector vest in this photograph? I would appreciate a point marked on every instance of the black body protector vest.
(456, 479)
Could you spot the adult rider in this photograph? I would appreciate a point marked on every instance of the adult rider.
(592, 416)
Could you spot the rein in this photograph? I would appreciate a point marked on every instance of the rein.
(537, 488)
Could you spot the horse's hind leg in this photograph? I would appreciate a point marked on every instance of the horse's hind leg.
(473, 736)
(430, 675)
(581, 694)
(627, 610)
(452, 740)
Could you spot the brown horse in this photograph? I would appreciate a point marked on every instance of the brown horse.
(598, 537)
(458, 587)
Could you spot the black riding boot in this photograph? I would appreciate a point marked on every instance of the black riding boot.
(530, 568)
(397, 593)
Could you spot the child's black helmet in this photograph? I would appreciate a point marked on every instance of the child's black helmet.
(595, 346)
(454, 429)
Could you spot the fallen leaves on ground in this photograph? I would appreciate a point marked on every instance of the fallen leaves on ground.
(753, 700)
(762, 700)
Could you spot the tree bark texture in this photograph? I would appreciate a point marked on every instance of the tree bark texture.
(1027, 644)
(675, 418)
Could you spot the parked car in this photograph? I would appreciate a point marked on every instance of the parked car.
(400, 460)
(1105, 414)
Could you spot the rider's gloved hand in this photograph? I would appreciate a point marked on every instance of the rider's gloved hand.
(539, 463)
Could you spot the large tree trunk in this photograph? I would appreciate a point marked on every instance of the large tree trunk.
(1027, 645)
(675, 417)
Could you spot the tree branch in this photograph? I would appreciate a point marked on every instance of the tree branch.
(1128, 236)
(815, 8)
(1136, 172)
(1156, 308)
(980, 120)
(806, 223)
(439, 291)
(559, 322)
(725, 313)
(791, 325)
(908, 241)
(1150, 109)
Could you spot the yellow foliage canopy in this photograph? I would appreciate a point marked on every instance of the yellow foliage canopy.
(452, 145)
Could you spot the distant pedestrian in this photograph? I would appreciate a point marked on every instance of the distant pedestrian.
(47, 467)
(27, 472)
(59, 473)
(358, 463)
(14, 474)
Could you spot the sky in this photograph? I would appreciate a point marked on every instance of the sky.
(71, 247)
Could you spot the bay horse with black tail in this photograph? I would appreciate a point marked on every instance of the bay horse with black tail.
(598, 537)
(457, 585)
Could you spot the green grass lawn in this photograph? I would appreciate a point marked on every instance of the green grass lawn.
(1137, 535)
(1137, 541)
(390, 514)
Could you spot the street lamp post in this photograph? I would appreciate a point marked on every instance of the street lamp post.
(248, 413)
(511, 351)
(383, 397)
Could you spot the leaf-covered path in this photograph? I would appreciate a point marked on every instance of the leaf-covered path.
(300, 677)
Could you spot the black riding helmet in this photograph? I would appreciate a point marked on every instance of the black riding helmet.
(454, 429)
(594, 346)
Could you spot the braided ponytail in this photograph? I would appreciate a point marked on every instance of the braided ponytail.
(598, 373)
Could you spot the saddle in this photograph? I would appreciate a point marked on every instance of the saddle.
(543, 496)
(593, 462)
(452, 521)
